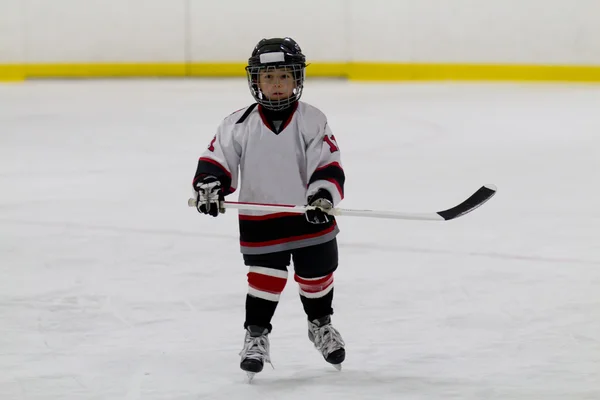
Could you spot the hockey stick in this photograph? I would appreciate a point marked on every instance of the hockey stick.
(477, 199)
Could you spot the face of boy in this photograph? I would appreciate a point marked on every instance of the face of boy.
(276, 84)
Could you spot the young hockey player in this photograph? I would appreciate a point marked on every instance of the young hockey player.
(286, 154)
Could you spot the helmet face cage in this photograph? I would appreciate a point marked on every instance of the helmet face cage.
(253, 73)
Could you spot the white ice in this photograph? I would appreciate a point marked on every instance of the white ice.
(112, 288)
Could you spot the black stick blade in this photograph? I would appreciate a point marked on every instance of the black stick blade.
(476, 200)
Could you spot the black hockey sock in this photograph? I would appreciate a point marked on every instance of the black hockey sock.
(259, 312)
(318, 307)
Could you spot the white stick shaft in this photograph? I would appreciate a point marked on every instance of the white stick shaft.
(266, 207)
(386, 214)
(473, 202)
(335, 211)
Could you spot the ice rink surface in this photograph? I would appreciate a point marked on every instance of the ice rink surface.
(112, 288)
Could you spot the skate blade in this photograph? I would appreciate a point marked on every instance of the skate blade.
(337, 366)
(250, 376)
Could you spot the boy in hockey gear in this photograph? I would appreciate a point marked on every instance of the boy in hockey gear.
(286, 154)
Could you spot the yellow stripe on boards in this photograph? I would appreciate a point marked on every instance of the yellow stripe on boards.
(218, 70)
(328, 70)
(471, 72)
(356, 71)
(11, 73)
(109, 70)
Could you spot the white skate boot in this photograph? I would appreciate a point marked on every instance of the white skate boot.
(256, 350)
(327, 340)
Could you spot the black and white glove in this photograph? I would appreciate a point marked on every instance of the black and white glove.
(324, 202)
(209, 195)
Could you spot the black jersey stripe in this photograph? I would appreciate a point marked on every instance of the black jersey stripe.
(246, 113)
(331, 172)
(208, 166)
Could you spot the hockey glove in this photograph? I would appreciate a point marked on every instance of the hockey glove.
(209, 195)
(324, 202)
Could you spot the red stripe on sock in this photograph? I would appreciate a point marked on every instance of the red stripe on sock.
(266, 283)
(313, 281)
(314, 285)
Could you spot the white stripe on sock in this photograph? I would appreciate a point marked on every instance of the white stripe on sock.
(263, 295)
(269, 272)
(318, 278)
(316, 295)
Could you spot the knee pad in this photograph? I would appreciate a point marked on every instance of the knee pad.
(313, 288)
(266, 283)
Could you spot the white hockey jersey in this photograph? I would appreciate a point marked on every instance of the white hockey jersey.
(276, 165)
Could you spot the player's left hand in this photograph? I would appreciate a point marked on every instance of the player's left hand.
(324, 202)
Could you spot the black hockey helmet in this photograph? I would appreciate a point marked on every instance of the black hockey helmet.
(271, 54)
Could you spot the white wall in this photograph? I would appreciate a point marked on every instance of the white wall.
(11, 31)
(228, 30)
(103, 30)
(495, 31)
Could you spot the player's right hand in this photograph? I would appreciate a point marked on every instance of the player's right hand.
(209, 195)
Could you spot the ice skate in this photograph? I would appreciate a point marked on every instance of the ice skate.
(256, 351)
(327, 340)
